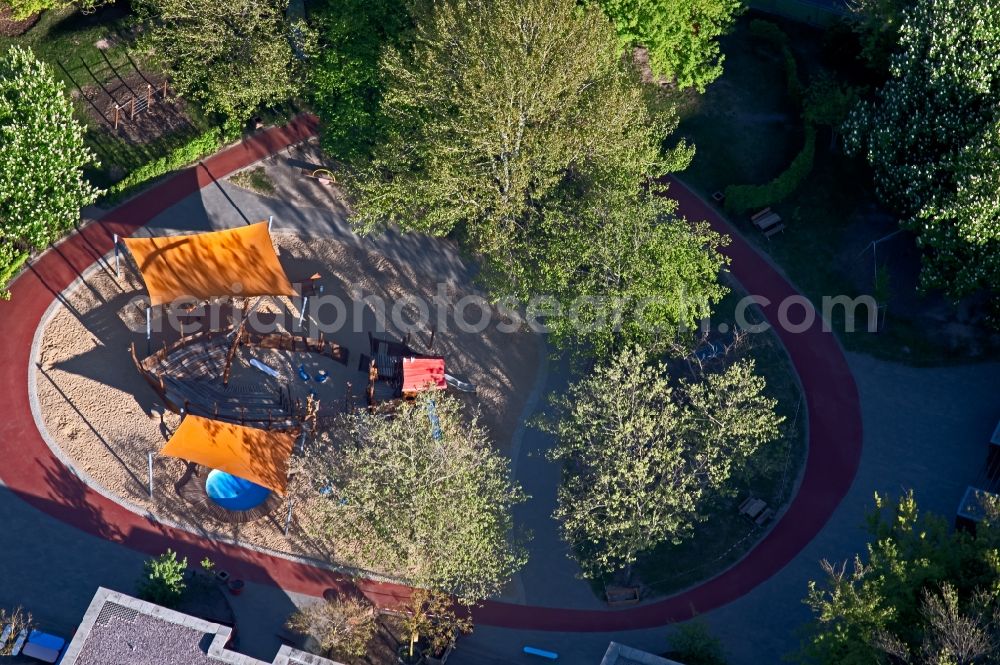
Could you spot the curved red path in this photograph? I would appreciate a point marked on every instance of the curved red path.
(33, 472)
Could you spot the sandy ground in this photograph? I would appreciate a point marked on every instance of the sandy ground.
(105, 418)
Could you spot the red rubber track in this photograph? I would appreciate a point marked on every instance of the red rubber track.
(36, 475)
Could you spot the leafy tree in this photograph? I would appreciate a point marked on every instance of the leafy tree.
(342, 626)
(877, 24)
(535, 114)
(432, 615)
(924, 595)
(345, 82)
(24, 8)
(640, 455)
(42, 155)
(644, 272)
(828, 102)
(931, 137)
(232, 56)
(420, 494)
(680, 35)
(163, 580)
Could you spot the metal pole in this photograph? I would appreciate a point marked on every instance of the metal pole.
(302, 312)
(150, 459)
(288, 518)
(149, 329)
(270, 222)
(118, 270)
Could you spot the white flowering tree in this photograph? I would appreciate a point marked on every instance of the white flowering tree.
(42, 155)
(931, 137)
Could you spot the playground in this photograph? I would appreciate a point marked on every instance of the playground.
(110, 398)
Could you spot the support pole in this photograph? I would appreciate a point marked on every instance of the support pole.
(118, 268)
(133, 108)
(149, 457)
(149, 329)
(149, 96)
(270, 222)
(302, 312)
(288, 518)
(117, 111)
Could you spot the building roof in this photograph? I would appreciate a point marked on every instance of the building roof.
(260, 456)
(234, 262)
(120, 629)
(619, 654)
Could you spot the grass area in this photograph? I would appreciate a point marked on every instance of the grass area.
(255, 179)
(67, 40)
(726, 536)
(746, 131)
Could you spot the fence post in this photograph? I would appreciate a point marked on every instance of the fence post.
(149, 96)
(149, 457)
(118, 271)
(288, 518)
(133, 109)
(164, 89)
(117, 111)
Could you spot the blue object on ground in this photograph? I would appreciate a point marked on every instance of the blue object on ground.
(432, 414)
(532, 651)
(46, 640)
(233, 493)
(303, 374)
(322, 376)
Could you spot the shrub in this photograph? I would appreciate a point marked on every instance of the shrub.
(163, 581)
(692, 644)
(740, 198)
(343, 626)
(769, 32)
(198, 147)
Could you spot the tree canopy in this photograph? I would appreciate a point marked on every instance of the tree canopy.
(681, 36)
(24, 8)
(922, 595)
(537, 145)
(641, 453)
(42, 155)
(229, 55)
(345, 82)
(931, 137)
(422, 495)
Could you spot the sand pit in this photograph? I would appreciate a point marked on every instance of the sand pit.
(105, 418)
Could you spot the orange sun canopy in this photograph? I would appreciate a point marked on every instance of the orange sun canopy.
(257, 455)
(233, 262)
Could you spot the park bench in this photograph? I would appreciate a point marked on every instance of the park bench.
(777, 228)
(767, 221)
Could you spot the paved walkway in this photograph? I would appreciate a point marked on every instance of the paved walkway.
(33, 474)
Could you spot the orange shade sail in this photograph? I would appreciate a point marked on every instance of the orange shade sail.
(233, 262)
(257, 455)
(423, 374)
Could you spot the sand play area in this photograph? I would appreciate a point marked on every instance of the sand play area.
(105, 419)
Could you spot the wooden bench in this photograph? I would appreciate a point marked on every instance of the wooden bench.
(777, 228)
(764, 517)
(621, 595)
(758, 215)
(767, 221)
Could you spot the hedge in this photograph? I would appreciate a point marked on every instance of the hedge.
(740, 198)
(198, 147)
(771, 33)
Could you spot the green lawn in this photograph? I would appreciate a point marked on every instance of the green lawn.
(725, 536)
